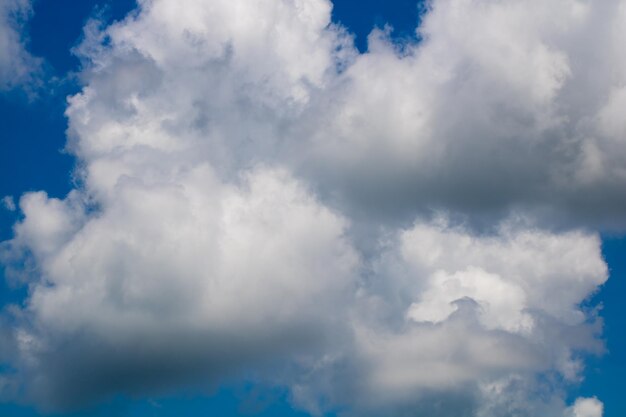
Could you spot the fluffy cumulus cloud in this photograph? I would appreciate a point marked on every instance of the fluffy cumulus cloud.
(587, 407)
(409, 230)
(502, 107)
(17, 66)
(444, 313)
(214, 274)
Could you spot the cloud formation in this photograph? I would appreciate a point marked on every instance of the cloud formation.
(194, 269)
(446, 313)
(413, 229)
(587, 407)
(502, 107)
(17, 65)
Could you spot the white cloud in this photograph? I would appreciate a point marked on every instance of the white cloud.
(587, 407)
(245, 184)
(506, 274)
(17, 66)
(446, 313)
(255, 268)
(9, 203)
(499, 109)
(502, 107)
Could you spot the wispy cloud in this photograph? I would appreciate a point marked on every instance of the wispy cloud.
(18, 68)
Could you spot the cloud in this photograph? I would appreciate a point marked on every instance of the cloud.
(496, 111)
(384, 232)
(445, 313)
(499, 109)
(8, 203)
(17, 65)
(213, 274)
(587, 407)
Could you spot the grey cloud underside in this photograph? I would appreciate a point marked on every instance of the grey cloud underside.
(383, 232)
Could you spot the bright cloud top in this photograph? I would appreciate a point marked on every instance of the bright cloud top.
(255, 195)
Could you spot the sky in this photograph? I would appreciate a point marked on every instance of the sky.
(312, 208)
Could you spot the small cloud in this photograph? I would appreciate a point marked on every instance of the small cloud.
(587, 407)
(9, 203)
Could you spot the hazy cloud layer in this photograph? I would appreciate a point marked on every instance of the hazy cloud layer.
(410, 230)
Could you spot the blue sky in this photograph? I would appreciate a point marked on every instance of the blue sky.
(33, 158)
